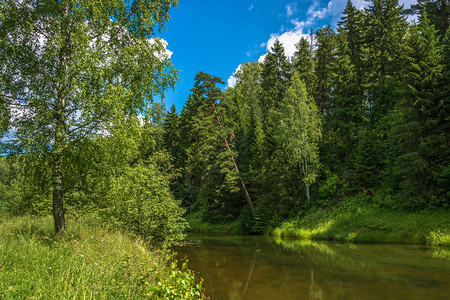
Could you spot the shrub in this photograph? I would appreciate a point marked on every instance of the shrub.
(141, 202)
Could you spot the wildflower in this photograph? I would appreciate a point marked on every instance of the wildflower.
(49, 268)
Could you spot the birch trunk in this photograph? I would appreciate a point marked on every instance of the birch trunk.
(58, 147)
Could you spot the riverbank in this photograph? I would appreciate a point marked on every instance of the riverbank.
(197, 225)
(88, 262)
(362, 223)
(352, 221)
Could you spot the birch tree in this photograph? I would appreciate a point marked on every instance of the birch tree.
(70, 68)
(299, 131)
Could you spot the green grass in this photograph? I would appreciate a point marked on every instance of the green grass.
(358, 222)
(197, 225)
(88, 262)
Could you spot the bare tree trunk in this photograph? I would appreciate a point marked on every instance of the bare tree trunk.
(244, 189)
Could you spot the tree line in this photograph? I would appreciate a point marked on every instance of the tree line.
(363, 109)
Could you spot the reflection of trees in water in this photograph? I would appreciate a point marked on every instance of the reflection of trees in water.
(315, 292)
(440, 252)
(258, 268)
(250, 273)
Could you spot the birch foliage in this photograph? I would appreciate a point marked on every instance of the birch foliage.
(300, 130)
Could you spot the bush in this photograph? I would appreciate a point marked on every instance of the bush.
(141, 202)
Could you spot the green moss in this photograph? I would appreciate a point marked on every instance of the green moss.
(354, 221)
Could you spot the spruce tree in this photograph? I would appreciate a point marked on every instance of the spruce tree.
(303, 64)
(324, 60)
(385, 29)
(275, 78)
(438, 12)
(346, 116)
(347, 98)
(418, 135)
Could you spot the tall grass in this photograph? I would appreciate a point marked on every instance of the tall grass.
(87, 262)
(358, 222)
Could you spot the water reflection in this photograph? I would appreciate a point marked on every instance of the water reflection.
(265, 268)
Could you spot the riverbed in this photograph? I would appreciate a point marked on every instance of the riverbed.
(261, 267)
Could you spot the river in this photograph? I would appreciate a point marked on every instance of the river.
(260, 267)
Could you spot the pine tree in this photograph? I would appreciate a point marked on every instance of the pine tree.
(211, 172)
(352, 25)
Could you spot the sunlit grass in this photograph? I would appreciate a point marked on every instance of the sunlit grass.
(353, 222)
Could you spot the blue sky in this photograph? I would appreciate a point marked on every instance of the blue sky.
(217, 36)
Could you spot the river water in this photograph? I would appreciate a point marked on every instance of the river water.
(259, 267)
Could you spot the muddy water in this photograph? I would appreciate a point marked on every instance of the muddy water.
(259, 267)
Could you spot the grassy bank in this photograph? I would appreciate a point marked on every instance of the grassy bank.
(354, 221)
(197, 225)
(88, 262)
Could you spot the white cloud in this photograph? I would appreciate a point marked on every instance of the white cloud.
(262, 57)
(291, 9)
(168, 53)
(141, 119)
(232, 79)
(288, 39)
(316, 12)
(359, 4)
(251, 7)
(293, 36)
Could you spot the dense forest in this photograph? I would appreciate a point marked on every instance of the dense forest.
(361, 110)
